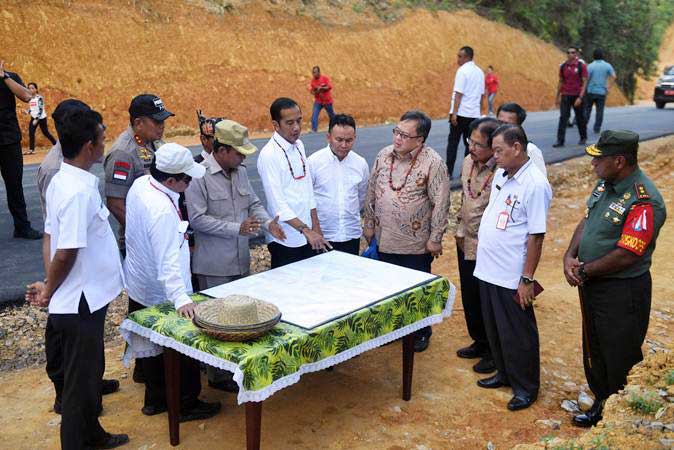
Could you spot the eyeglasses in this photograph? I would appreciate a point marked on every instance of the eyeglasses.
(403, 135)
(472, 143)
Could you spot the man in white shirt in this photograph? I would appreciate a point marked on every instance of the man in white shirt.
(84, 275)
(157, 268)
(514, 114)
(340, 176)
(287, 185)
(467, 104)
(510, 242)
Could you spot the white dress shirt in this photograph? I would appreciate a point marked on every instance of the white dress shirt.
(77, 218)
(536, 156)
(157, 264)
(525, 198)
(287, 197)
(340, 188)
(469, 82)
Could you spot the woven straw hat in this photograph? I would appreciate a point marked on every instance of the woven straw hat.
(236, 317)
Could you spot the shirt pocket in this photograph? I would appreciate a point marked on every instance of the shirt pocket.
(219, 203)
(101, 224)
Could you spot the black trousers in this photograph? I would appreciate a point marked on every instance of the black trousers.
(456, 134)
(565, 105)
(351, 246)
(155, 382)
(44, 127)
(513, 339)
(82, 346)
(616, 313)
(420, 262)
(282, 255)
(472, 306)
(53, 347)
(599, 101)
(11, 168)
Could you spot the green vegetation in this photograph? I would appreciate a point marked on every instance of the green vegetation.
(646, 403)
(669, 378)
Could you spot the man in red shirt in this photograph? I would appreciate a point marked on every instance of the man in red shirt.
(321, 88)
(572, 81)
(491, 83)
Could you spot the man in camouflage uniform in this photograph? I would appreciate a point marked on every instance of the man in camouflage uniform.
(609, 258)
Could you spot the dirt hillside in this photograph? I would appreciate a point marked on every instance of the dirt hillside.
(234, 60)
(645, 87)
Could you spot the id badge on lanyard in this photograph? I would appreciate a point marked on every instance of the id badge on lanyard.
(504, 216)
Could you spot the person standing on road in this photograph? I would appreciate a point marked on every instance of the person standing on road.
(514, 114)
(11, 158)
(467, 104)
(286, 180)
(321, 88)
(38, 117)
(609, 258)
(84, 275)
(476, 175)
(339, 176)
(407, 203)
(570, 91)
(600, 72)
(509, 247)
(491, 83)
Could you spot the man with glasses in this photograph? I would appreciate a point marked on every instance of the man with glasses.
(157, 268)
(407, 202)
(570, 90)
(206, 135)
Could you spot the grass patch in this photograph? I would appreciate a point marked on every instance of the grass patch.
(669, 378)
(646, 403)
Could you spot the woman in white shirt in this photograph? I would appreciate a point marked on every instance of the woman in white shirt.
(38, 117)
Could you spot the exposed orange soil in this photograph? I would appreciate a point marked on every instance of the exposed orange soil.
(645, 87)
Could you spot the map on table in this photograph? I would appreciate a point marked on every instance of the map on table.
(317, 290)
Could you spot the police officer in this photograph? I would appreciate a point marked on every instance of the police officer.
(132, 152)
(609, 258)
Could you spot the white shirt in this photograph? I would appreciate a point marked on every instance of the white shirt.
(526, 198)
(157, 264)
(469, 82)
(77, 218)
(36, 107)
(287, 197)
(340, 188)
(536, 156)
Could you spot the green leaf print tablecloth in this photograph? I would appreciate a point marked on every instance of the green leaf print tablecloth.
(278, 359)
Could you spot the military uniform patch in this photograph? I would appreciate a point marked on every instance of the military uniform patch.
(642, 193)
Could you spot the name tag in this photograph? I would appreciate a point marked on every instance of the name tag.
(502, 221)
(617, 207)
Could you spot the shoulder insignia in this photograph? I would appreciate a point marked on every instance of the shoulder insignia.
(642, 193)
(144, 154)
(587, 212)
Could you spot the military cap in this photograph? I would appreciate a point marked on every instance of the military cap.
(613, 143)
(235, 135)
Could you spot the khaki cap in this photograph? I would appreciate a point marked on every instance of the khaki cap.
(235, 135)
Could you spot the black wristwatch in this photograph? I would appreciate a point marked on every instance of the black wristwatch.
(5, 76)
(581, 272)
(526, 280)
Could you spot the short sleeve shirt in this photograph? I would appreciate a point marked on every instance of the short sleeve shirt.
(469, 82)
(571, 80)
(599, 71)
(127, 161)
(10, 132)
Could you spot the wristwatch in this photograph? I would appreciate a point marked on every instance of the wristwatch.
(581, 272)
(526, 280)
(5, 76)
(302, 228)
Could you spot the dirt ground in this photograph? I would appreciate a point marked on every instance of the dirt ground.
(358, 405)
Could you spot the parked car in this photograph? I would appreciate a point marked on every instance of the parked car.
(664, 88)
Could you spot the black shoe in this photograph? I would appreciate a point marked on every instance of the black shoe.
(112, 441)
(520, 402)
(57, 406)
(558, 144)
(421, 344)
(485, 365)
(492, 382)
(570, 124)
(200, 411)
(225, 385)
(582, 142)
(28, 233)
(109, 386)
(471, 352)
(591, 417)
(138, 375)
(153, 410)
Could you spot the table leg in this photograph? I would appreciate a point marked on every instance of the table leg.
(408, 365)
(253, 425)
(172, 376)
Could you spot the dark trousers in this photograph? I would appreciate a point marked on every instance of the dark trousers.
(11, 168)
(456, 134)
(565, 105)
(420, 262)
(282, 255)
(599, 101)
(616, 313)
(44, 127)
(351, 246)
(513, 339)
(155, 383)
(82, 346)
(54, 352)
(472, 306)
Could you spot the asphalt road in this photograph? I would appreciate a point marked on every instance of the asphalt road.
(20, 260)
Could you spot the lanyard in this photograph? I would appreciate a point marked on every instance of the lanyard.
(180, 216)
(292, 172)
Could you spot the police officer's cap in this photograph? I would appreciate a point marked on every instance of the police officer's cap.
(614, 142)
(149, 105)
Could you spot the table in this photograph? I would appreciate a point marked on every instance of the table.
(279, 359)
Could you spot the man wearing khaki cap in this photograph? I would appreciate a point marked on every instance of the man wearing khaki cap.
(157, 268)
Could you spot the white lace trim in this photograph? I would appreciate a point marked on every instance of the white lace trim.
(128, 328)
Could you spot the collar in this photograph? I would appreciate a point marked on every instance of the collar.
(204, 154)
(407, 156)
(626, 183)
(87, 178)
(491, 164)
(173, 195)
(285, 145)
(521, 171)
(215, 167)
